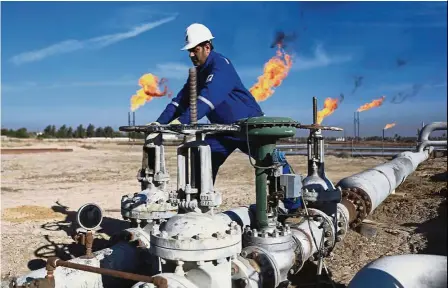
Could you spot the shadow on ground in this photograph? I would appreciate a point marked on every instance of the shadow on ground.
(307, 278)
(109, 227)
(440, 177)
(434, 231)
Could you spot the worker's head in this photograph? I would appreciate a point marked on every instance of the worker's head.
(198, 40)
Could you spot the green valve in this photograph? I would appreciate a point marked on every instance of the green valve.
(263, 134)
(271, 127)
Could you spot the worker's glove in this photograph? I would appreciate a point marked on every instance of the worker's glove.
(175, 121)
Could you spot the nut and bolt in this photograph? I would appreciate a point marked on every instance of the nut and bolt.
(327, 234)
(338, 239)
(340, 224)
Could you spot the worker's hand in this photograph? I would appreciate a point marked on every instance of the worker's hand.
(175, 121)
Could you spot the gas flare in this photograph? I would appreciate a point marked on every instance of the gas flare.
(275, 71)
(150, 88)
(389, 126)
(373, 104)
(330, 105)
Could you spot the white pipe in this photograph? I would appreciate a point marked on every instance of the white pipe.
(307, 234)
(403, 271)
(381, 181)
(122, 256)
(423, 138)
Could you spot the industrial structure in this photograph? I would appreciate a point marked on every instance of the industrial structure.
(179, 239)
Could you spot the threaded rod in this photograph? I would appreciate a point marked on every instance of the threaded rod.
(193, 97)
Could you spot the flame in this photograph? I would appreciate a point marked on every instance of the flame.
(275, 71)
(150, 88)
(389, 126)
(373, 104)
(330, 105)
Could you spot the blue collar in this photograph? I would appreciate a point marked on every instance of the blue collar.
(207, 62)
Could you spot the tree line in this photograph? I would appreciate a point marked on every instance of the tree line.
(66, 132)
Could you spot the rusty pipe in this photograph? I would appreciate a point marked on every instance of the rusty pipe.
(54, 262)
(193, 97)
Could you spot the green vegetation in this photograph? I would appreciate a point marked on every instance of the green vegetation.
(67, 132)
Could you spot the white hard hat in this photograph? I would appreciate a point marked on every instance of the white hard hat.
(195, 34)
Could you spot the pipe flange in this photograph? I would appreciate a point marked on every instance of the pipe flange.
(342, 221)
(355, 205)
(326, 223)
(269, 270)
(366, 198)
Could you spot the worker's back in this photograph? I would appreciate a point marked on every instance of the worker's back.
(239, 102)
(221, 89)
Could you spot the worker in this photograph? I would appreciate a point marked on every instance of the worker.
(222, 96)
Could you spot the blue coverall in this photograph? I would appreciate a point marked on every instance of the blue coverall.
(223, 98)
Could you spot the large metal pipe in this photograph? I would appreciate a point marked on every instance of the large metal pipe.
(403, 271)
(423, 137)
(327, 146)
(354, 154)
(379, 182)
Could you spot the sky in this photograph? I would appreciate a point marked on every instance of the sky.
(79, 62)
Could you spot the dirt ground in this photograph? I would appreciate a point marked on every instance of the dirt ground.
(40, 194)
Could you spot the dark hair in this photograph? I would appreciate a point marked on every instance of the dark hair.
(205, 42)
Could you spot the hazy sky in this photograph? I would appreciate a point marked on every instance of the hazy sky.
(79, 62)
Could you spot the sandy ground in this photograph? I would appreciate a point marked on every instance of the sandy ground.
(40, 194)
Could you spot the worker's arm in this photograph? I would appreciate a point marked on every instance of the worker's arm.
(176, 107)
(218, 85)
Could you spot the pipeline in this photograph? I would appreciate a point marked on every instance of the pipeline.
(403, 271)
(271, 253)
(423, 137)
(365, 191)
(350, 153)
